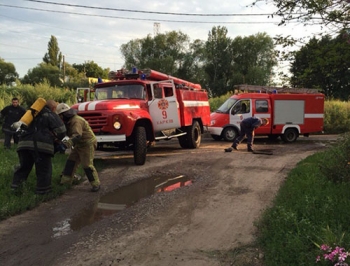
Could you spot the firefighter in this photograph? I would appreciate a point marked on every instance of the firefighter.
(12, 113)
(82, 142)
(248, 125)
(36, 147)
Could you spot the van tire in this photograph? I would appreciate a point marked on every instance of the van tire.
(229, 134)
(140, 146)
(290, 135)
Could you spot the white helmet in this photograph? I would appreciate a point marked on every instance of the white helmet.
(62, 107)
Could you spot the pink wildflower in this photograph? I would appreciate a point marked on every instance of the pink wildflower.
(324, 247)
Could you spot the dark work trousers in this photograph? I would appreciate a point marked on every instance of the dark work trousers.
(43, 170)
(246, 130)
(8, 136)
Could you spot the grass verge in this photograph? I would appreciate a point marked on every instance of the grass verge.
(26, 199)
(311, 208)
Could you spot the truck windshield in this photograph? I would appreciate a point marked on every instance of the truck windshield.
(226, 106)
(127, 91)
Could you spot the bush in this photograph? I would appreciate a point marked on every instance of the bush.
(337, 117)
(27, 94)
(216, 102)
(335, 164)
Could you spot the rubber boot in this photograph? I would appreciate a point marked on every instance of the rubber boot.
(250, 147)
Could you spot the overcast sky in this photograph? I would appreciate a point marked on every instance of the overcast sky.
(95, 30)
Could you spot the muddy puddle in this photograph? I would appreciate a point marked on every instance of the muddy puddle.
(118, 200)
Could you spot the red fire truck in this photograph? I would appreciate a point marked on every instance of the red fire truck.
(290, 112)
(135, 109)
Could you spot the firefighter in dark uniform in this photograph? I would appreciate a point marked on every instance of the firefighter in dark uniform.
(83, 144)
(36, 147)
(12, 113)
(248, 125)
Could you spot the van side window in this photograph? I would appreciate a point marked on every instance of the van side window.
(261, 106)
(242, 107)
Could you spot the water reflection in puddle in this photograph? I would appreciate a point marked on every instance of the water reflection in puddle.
(118, 200)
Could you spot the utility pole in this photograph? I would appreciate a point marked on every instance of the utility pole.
(156, 27)
(64, 69)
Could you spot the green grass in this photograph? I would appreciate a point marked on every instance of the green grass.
(25, 199)
(311, 208)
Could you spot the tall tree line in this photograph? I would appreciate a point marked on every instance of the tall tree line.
(324, 64)
(218, 63)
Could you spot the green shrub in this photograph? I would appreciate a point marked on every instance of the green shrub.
(27, 94)
(337, 117)
(216, 102)
(335, 164)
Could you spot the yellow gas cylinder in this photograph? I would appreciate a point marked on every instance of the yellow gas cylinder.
(32, 112)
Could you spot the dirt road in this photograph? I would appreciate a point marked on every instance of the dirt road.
(183, 207)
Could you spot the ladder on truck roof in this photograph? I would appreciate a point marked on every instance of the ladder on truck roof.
(269, 89)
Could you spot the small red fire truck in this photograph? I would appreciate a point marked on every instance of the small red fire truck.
(135, 109)
(290, 112)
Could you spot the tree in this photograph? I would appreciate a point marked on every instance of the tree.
(92, 70)
(41, 73)
(254, 59)
(242, 60)
(191, 67)
(323, 64)
(74, 78)
(53, 56)
(8, 72)
(332, 14)
(164, 53)
(218, 62)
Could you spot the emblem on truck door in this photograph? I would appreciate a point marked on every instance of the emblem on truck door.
(163, 104)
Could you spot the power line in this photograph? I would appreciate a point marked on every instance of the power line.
(151, 19)
(147, 12)
(22, 58)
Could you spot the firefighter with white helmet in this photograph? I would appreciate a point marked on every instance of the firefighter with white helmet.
(83, 142)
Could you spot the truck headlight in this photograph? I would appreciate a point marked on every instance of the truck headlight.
(117, 125)
(212, 122)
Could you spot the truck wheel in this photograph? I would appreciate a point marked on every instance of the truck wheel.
(140, 146)
(216, 137)
(229, 134)
(194, 135)
(290, 135)
(183, 142)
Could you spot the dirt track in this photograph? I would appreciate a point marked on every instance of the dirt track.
(213, 212)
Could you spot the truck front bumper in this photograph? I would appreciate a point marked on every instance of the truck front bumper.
(110, 138)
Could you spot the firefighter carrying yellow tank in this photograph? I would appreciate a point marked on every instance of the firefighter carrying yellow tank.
(32, 112)
(36, 147)
(83, 142)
